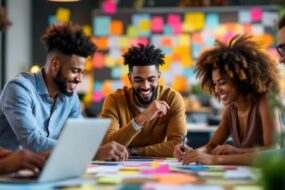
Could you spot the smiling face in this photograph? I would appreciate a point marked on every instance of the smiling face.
(281, 45)
(144, 80)
(69, 74)
(224, 88)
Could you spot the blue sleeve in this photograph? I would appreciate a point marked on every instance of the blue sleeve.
(17, 109)
(75, 112)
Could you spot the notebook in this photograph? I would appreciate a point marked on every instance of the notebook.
(76, 146)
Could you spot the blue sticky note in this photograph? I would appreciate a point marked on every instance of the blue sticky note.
(51, 19)
(209, 42)
(196, 50)
(101, 25)
(244, 17)
(117, 84)
(167, 51)
(167, 30)
(189, 72)
(97, 86)
(116, 72)
(194, 167)
(212, 20)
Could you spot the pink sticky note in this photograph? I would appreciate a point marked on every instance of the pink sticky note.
(109, 7)
(142, 41)
(255, 14)
(176, 28)
(97, 96)
(160, 170)
(157, 24)
(173, 19)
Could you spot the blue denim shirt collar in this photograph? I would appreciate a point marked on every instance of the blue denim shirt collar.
(42, 87)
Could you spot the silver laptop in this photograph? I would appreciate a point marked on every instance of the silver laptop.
(76, 146)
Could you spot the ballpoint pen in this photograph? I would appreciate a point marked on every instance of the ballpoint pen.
(183, 144)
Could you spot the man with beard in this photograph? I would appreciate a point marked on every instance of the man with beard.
(34, 107)
(148, 118)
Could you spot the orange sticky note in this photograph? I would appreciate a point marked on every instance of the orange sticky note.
(180, 84)
(101, 42)
(107, 87)
(116, 27)
(174, 179)
(98, 60)
(166, 42)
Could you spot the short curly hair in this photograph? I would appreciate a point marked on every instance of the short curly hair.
(252, 70)
(143, 55)
(68, 39)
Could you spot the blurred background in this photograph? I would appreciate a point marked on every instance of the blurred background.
(181, 28)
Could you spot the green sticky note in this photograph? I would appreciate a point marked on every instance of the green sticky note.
(109, 180)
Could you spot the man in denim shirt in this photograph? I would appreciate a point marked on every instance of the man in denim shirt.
(34, 107)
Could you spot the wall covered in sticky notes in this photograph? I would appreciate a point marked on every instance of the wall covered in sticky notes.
(182, 34)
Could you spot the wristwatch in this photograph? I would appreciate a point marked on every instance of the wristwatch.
(134, 151)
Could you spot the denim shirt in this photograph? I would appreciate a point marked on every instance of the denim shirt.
(29, 118)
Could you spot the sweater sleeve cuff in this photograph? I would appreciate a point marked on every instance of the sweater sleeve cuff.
(136, 126)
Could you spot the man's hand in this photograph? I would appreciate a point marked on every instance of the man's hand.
(112, 151)
(24, 159)
(155, 109)
(178, 154)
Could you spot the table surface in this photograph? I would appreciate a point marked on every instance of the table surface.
(155, 174)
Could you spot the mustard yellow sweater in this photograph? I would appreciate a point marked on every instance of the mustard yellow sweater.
(158, 136)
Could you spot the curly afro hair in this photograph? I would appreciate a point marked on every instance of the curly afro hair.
(143, 55)
(241, 60)
(68, 39)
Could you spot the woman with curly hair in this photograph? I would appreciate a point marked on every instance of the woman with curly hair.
(241, 76)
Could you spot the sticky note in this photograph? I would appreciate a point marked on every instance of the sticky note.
(109, 61)
(51, 19)
(157, 24)
(116, 27)
(244, 16)
(101, 25)
(167, 30)
(109, 7)
(97, 86)
(87, 30)
(180, 84)
(144, 28)
(98, 60)
(175, 179)
(173, 19)
(132, 31)
(111, 180)
(97, 96)
(212, 20)
(107, 87)
(196, 20)
(116, 72)
(63, 14)
(184, 40)
(256, 14)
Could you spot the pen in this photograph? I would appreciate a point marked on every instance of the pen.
(183, 144)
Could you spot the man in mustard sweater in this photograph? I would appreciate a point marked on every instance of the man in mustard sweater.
(148, 118)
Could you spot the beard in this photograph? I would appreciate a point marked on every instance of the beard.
(144, 101)
(61, 83)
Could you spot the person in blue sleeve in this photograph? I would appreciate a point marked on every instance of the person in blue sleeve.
(35, 106)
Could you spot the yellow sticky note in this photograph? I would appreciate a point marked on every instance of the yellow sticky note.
(132, 31)
(155, 164)
(166, 66)
(194, 21)
(109, 61)
(87, 30)
(63, 14)
(248, 187)
(184, 40)
(124, 42)
(144, 25)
